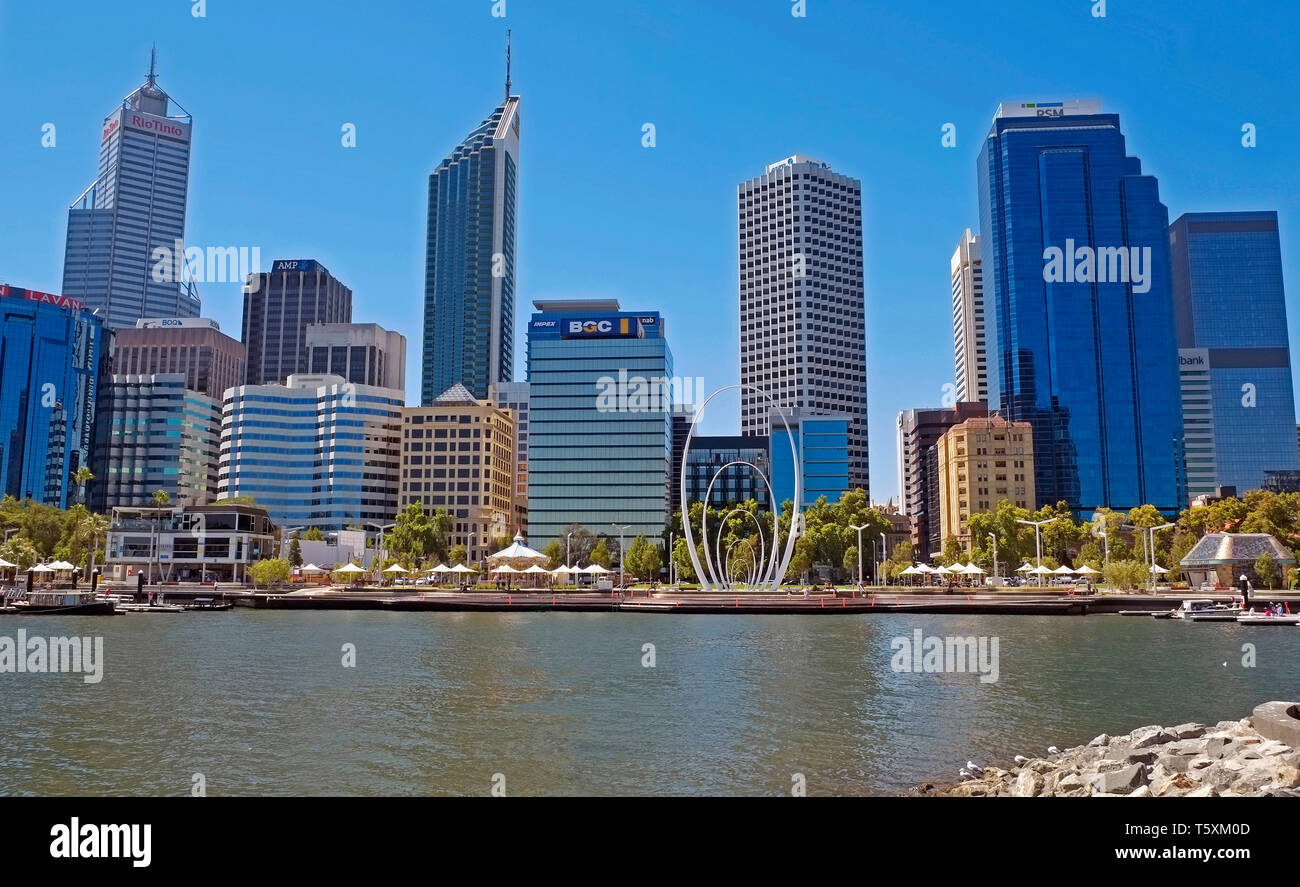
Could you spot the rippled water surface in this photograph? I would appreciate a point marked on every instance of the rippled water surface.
(259, 702)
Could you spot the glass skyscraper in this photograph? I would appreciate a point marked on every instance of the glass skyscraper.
(469, 277)
(1081, 344)
(124, 251)
(279, 306)
(600, 420)
(1236, 354)
(49, 365)
(822, 446)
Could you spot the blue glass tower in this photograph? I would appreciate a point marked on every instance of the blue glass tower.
(1082, 343)
(600, 420)
(822, 446)
(469, 277)
(1231, 315)
(49, 358)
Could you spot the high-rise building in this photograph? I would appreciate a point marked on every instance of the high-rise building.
(821, 447)
(208, 360)
(469, 277)
(153, 432)
(49, 365)
(124, 253)
(513, 396)
(918, 485)
(459, 454)
(318, 451)
(362, 353)
(681, 417)
(968, 343)
(599, 420)
(1082, 342)
(726, 468)
(802, 312)
(1235, 357)
(982, 462)
(279, 305)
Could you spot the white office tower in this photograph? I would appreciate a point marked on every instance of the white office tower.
(969, 352)
(124, 255)
(802, 313)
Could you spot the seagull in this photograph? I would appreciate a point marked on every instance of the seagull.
(1021, 759)
(1053, 750)
(975, 768)
(964, 773)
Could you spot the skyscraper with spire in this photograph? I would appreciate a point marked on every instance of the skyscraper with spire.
(469, 278)
(126, 231)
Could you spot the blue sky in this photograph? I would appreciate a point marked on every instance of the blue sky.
(730, 85)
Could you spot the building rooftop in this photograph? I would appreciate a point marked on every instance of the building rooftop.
(552, 306)
(1235, 548)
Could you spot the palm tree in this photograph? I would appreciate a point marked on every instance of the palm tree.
(81, 477)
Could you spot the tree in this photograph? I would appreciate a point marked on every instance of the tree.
(1126, 574)
(952, 551)
(313, 534)
(1266, 570)
(682, 561)
(19, 551)
(600, 555)
(415, 537)
(269, 571)
(851, 561)
(554, 552)
(81, 477)
(161, 499)
(295, 552)
(457, 555)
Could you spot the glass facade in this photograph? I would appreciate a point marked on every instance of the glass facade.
(1231, 308)
(735, 484)
(279, 306)
(600, 451)
(49, 359)
(469, 279)
(1081, 343)
(822, 448)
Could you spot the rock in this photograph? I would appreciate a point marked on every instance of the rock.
(1200, 763)
(1109, 766)
(1189, 731)
(1149, 736)
(1288, 777)
(1141, 757)
(1041, 766)
(1172, 785)
(1103, 739)
(1184, 747)
(1205, 791)
(1143, 791)
(1070, 782)
(1271, 749)
(1119, 780)
(1028, 785)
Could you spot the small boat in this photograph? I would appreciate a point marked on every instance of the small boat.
(65, 603)
(151, 608)
(207, 603)
(1207, 610)
(1266, 619)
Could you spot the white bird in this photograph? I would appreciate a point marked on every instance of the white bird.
(1053, 750)
(1021, 759)
(975, 768)
(963, 773)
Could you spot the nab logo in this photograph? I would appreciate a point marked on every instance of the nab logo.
(590, 326)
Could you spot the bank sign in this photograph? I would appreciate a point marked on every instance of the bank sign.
(600, 328)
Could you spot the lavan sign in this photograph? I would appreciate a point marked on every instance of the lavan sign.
(17, 292)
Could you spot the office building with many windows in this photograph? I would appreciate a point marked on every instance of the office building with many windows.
(279, 306)
(982, 462)
(1235, 357)
(124, 255)
(318, 451)
(469, 278)
(1082, 343)
(970, 353)
(513, 396)
(728, 469)
(821, 452)
(362, 353)
(918, 483)
(459, 454)
(599, 420)
(802, 311)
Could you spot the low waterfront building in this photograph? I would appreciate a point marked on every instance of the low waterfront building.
(821, 446)
(188, 544)
(980, 463)
(317, 452)
(1221, 558)
(459, 454)
(362, 353)
(49, 366)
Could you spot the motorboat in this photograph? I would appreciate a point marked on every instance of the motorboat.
(1207, 610)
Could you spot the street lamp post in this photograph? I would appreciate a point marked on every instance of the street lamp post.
(994, 537)
(1038, 541)
(860, 528)
(383, 547)
(622, 579)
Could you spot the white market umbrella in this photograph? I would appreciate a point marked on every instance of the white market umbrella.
(1063, 570)
(40, 568)
(461, 568)
(1024, 568)
(505, 568)
(441, 568)
(972, 570)
(1086, 570)
(311, 569)
(5, 565)
(908, 571)
(942, 571)
(1156, 568)
(536, 569)
(397, 568)
(594, 569)
(1041, 571)
(349, 568)
(62, 565)
(924, 568)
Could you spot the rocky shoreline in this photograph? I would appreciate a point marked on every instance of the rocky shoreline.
(1229, 759)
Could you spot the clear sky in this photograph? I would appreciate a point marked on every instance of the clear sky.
(730, 86)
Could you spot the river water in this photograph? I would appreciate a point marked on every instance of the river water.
(259, 702)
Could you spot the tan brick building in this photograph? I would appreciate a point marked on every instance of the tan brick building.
(981, 462)
(459, 454)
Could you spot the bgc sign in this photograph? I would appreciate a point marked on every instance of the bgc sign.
(599, 328)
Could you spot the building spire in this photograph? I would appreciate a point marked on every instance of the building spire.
(507, 65)
(153, 65)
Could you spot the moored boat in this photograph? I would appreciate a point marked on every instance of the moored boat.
(1207, 610)
(65, 603)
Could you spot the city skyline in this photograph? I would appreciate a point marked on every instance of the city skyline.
(1201, 168)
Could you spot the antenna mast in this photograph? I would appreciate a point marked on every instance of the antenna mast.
(153, 64)
(507, 64)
